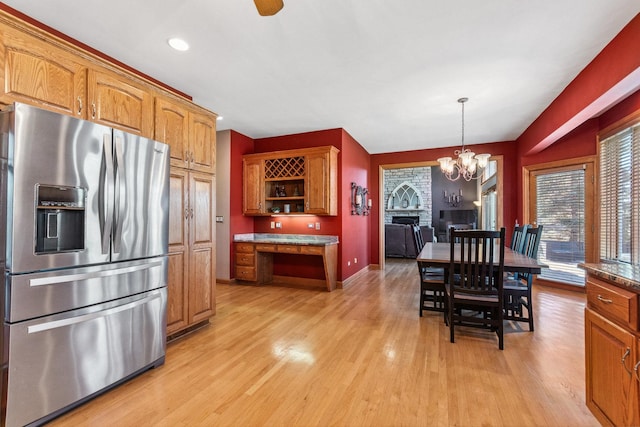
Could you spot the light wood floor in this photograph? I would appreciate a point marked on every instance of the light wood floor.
(359, 356)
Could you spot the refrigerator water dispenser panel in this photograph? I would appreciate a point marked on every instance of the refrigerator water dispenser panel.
(60, 216)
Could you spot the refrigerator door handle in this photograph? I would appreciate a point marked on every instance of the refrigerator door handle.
(91, 316)
(120, 196)
(106, 193)
(44, 281)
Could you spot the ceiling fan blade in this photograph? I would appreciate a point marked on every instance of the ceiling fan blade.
(268, 7)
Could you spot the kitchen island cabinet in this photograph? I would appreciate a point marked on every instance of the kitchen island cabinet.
(612, 343)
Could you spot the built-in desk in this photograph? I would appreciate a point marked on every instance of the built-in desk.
(254, 254)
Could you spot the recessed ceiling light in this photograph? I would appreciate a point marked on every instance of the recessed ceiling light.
(178, 44)
(220, 118)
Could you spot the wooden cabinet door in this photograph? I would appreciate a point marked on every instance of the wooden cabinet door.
(609, 354)
(318, 189)
(202, 246)
(38, 73)
(119, 102)
(172, 128)
(253, 197)
(202, 139)
(178, 280)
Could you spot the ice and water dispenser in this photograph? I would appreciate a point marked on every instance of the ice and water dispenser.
(60, 219)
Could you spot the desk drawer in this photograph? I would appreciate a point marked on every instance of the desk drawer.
(289, 249)
(312, 250)
(263, 247)
(613, 302)
(245, 259)
(244, 247)
(245, 273)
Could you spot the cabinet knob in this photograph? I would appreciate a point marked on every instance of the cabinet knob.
(93, 110)
(79, 106)
(635, 370)
(186, 213)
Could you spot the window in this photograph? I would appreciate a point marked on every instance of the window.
(560, 209)
(620, 196)
(489, 201)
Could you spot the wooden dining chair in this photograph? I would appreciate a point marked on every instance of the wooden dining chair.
(517, 238)
(474, 287)
(518, 289)
(431, 279)
(432, 296)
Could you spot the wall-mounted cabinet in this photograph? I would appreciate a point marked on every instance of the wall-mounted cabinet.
(120, 102)
(189, 132)
(36, 72)
(300, 181)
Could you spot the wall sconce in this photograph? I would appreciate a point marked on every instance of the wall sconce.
(359, 203)
(453, 199)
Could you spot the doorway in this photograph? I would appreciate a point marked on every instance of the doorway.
(561, 199)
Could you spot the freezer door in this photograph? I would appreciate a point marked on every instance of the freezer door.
(141, 208)
(55, 168)
(58, 360)
(45, 293)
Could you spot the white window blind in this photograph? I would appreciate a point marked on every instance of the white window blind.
(619, 196)
(560, 210)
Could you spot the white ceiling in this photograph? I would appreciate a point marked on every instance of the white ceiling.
(387, 71)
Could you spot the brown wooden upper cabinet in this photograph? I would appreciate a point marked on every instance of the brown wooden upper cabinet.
(119, 102)
(189, 132)
(38, 73)
(306, 180)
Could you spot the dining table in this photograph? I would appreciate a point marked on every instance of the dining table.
(437, 254)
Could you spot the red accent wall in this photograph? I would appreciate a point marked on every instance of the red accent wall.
(238, 223)
(578, 143)
(352, 230)
(356, 229)
(300, 266)
(625, 108)
(506, 149)
(615, 62)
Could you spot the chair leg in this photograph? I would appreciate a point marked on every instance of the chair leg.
(451, 332)
(530, 310)
(421, 301)
(500, 329)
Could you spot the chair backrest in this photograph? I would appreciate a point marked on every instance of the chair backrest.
(517, 239)
(532, 241)
(477, 261)
(530, 247)
(417, 238)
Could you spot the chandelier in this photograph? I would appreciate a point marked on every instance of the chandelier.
(467, 163)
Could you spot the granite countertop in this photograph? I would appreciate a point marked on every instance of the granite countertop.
(625, 275)
(292, 239)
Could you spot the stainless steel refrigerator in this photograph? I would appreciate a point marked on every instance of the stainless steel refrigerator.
(83, 238)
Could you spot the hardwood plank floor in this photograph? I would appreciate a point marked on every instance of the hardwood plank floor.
(360, 356)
